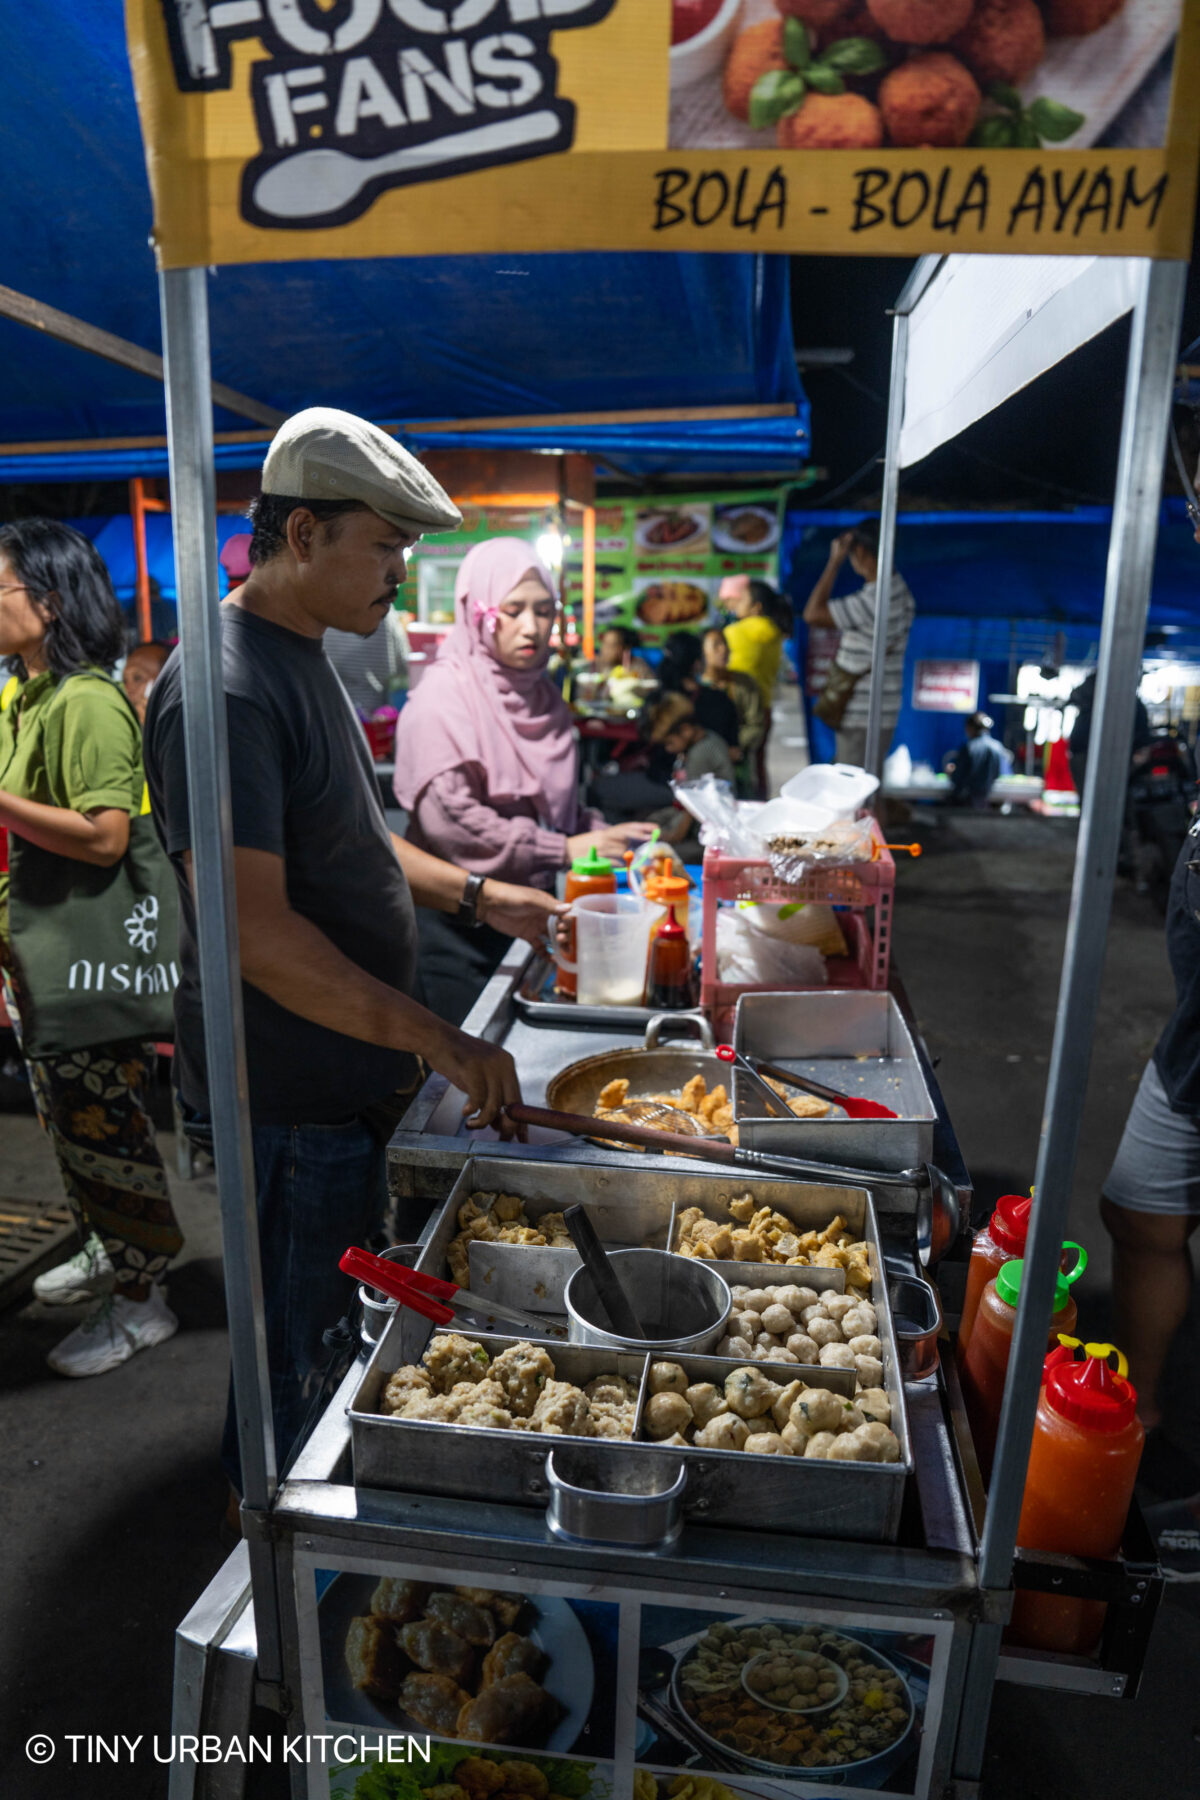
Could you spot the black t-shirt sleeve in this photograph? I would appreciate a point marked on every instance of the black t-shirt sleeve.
(256, 778)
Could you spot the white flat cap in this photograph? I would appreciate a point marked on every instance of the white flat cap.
(324, 454)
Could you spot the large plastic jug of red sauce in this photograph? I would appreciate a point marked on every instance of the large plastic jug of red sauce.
(589, 874)
(1002, 1239)
(1087, 1443)
(985, 1367)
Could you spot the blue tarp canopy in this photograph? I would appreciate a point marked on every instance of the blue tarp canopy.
(406, 339)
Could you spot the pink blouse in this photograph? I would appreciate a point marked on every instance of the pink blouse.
(454, 818)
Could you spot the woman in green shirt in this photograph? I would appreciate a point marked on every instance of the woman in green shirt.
(70, 780)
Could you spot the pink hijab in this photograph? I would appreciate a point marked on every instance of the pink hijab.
(469, 708)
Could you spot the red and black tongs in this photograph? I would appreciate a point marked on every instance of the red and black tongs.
(433, 1298)
(852, 1105)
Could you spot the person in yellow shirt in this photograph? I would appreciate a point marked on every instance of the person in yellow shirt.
(755, 637)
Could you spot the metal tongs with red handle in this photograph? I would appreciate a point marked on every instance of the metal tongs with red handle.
(433, 1298)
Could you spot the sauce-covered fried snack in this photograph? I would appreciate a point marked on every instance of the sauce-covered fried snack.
(399, 1601)
(434, 1701)
(473, 1623)
(375, 1661)
(437, 1649)
(562, 1410)
(513, 1655)
(513, 1710)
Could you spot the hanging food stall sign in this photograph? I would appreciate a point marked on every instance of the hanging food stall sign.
(946, 687)
(290, 129)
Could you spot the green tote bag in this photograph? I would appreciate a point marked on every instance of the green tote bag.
(96, 950)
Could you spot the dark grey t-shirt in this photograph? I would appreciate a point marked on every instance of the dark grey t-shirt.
(303, 788)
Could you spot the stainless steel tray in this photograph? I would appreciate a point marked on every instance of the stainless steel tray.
(785, 1494)
(850, 1039)
(534, 997)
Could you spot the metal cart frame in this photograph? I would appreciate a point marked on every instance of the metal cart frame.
(961, 1582)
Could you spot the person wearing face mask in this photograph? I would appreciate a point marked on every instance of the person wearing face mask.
(486, 762)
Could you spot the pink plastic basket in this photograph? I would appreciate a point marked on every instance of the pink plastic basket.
(861, 888)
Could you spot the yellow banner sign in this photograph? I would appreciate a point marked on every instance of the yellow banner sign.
(288, 129)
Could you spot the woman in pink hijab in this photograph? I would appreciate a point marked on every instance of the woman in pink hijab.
(486, 761)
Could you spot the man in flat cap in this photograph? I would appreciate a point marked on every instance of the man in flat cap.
(324, 891)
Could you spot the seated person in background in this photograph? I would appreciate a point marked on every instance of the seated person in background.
(976, 764)
(679, 672)
(487, 765)
(697, 752)
(617, 667)
(747, 699)
(142, 668)
(373, 670)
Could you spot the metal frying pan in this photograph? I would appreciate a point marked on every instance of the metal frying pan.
(650, 1070)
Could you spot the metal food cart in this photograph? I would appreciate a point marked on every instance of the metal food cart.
(923, 1614)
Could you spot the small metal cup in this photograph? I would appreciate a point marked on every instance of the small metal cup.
(648, 1519)
(683, 1299)
(378, 1307)
(917, 1321)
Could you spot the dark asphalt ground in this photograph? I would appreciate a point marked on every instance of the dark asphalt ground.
(112, 1494)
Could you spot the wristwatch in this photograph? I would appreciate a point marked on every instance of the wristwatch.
(468, 906)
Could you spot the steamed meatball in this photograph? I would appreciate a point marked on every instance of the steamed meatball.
(562, 1409)
(739, 1347)
(868, 1369)
(1075, 18)
(824, 1331)
(404, 1386)
(666, 1414)
(667, 1378)
(838, 1305)
(754, 54)
(523, 1371)
(779, 1320)
(750, 1393)
(745, 1324)
(820, 1445)
(860, 1320)
(816, 13)
(796, 1298)
(781, 1406)
(838, 1356)
(921, 21)
(874, 1405)
(452, 1358)
(1004, 40)
(832, 122)
(765, 1443)
(816, 1409)
(804, 1348)
(870, 1443)
(725, 1432)
(867, 1345)
(706, 1401)
(930, 100)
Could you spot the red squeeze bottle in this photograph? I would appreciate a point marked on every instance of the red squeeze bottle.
(1087, 1443)
(669, 980)
(985, 1366)
(1002, 1238)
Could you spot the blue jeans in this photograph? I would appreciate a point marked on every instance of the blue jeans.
(320, 1188)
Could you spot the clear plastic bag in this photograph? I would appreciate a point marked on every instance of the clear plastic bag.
(747, 957)
(844, 841)
(712, 803)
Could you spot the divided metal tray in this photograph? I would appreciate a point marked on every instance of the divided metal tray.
(772, 1493)
(850, 1039)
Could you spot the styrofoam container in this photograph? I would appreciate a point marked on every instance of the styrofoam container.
(839, 788)
(787, 815)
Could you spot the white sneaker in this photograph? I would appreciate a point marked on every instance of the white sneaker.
(113, 1331)
(87, 1276)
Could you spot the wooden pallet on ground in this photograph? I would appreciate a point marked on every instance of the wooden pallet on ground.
(34, 1235)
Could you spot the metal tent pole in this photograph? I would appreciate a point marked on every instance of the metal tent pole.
(887, 542)
(1148, 390)
(183, 298)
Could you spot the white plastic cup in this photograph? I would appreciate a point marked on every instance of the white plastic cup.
(612, 947)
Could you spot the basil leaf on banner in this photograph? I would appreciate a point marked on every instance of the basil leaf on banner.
(1004, 94)
(1053, 121)
(775, 95)
(997, 133)
(824, 80)
(855, 56)
(797, 45)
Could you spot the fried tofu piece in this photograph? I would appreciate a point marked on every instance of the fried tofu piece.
(807, 1106)
(434, 1701)
(614, 1094)
(694, 1093)
(712, 1101)
(376, 1664)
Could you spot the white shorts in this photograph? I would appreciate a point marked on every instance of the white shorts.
(1157, 1166)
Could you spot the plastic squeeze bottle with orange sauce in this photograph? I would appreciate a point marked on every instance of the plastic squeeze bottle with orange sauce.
(1002, 1239)
(590, 874)
(1087, 1443)
(985, 1366)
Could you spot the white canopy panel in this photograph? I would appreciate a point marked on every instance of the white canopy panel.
(986, 326)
